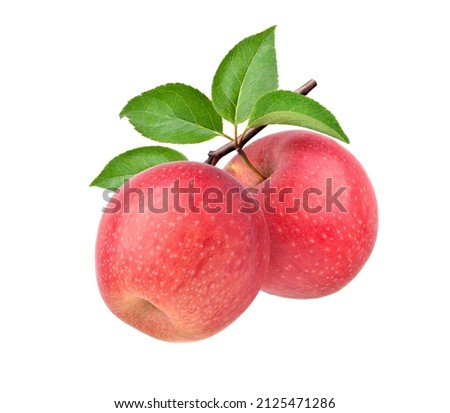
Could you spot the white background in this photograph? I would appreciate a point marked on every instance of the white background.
(68, 68)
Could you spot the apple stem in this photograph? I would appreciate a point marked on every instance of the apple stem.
(218, 154)
(253, 168)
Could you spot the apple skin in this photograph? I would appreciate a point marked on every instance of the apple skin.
(312, 254)
(180, 276)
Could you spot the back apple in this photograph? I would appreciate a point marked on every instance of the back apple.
(320, 207)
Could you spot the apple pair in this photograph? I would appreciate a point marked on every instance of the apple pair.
(187, 272)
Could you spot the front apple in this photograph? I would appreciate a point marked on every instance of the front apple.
(320, 208)
(176, 257)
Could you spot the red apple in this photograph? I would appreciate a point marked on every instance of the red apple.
(180, 275)
(320, 208)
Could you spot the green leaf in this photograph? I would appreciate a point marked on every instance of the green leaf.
(290, 108)
(247, 72)
(174, 113)
(130, 163)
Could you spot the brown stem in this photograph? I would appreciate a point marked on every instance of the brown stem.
(244, 157)
(215, 156)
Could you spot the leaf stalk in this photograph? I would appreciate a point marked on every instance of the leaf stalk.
(237, 144)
